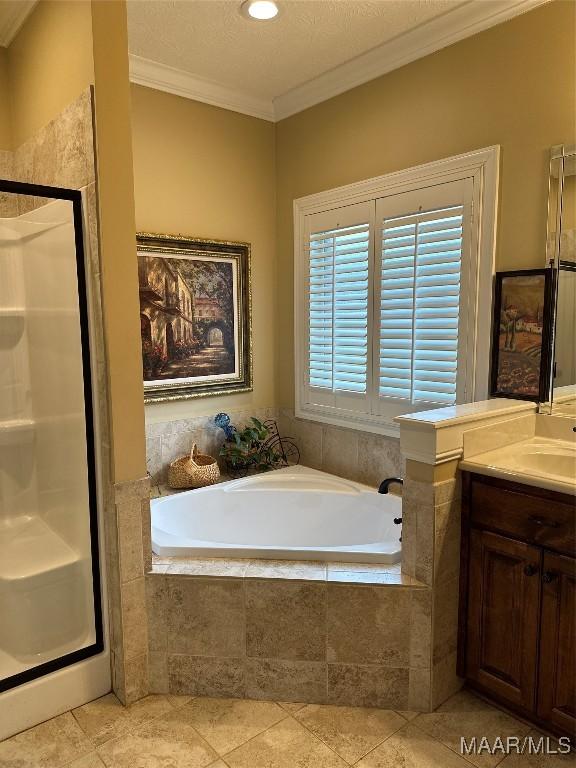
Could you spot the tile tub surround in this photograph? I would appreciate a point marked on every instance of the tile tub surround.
(296, 641)
(433, 443)
(128, 558)
(168, 440)
(360, 456)
(184, 732)
(290, 631)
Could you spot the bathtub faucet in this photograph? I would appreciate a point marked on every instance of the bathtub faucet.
(385, 485)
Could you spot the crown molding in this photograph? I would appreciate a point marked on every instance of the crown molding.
(464, 21)
(152, 74)
(13, 21)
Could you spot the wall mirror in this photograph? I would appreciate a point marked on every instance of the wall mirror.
(561, 256)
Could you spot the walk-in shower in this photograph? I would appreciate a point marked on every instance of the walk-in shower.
(50, 595)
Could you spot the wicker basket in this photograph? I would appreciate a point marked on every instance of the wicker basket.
(194, 471)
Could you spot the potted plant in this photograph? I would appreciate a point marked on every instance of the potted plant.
(247, 450)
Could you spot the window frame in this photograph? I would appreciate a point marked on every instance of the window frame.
(482, 166)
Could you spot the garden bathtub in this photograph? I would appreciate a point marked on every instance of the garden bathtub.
(294, 513)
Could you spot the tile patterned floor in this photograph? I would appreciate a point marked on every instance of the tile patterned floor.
(185, 732)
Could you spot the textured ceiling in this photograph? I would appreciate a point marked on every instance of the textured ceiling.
(210, 39)
(13, 13)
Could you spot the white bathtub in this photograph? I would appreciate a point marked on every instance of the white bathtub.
(294, 514)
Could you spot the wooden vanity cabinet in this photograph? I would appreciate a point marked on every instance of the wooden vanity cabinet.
(557, 668)
(517, 624)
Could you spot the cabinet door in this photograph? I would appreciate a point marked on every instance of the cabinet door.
(503, 612)
(557, 676)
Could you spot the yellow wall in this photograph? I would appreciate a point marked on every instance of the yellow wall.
(63, 48)
(512, 85)
(204, 171)
(50, 63)
(5, 129)
(118, 238)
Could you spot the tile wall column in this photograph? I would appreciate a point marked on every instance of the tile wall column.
(432, 444)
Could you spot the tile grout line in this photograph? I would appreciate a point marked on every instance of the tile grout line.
(154, 719)
(402, 725)
(288, 717)
(128, 729)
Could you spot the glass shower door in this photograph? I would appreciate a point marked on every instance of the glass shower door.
(50, 602)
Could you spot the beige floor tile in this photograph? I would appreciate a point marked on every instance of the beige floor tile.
(407, 714)
(178, 701)
(167, 742)
(228, 723)
(526, 760)
(49, 745)
(350, 731)
(286, 745)
(464, 716)
(92, 760)
(411, 748)
(106, 718)
(291, 706)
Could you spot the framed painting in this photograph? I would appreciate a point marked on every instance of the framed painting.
(195, 316)
(521, 335)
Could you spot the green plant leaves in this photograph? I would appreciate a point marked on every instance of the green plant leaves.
(247, 450)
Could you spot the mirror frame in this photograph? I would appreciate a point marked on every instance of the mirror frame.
(559, 154)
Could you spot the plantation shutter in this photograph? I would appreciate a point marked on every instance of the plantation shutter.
(423, 238)
(339, 283)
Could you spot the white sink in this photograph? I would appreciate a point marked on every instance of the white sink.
(540, 461)
(553, 463)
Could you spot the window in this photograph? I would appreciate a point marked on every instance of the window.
(393, 293)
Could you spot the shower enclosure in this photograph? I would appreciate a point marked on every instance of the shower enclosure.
(50, 592)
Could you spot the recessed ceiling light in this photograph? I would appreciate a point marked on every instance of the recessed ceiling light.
(262, 10)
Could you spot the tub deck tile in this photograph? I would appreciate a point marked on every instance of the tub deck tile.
(287, 570)
(312, 570)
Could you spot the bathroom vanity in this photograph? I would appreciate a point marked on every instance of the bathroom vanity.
(517, 626)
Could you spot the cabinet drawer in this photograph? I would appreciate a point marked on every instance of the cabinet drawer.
(537, 520)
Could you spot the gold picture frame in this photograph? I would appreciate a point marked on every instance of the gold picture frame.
(195, 316)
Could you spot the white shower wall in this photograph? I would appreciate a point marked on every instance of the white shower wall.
(18, 492)
(56, 377)
(45, 554)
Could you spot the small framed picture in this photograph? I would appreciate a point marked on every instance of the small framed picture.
(521, 335)
(195, 316)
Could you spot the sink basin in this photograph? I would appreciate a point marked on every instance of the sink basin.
(540, 461)
(559, 464)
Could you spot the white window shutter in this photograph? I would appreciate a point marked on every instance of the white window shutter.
(422, 241)
(392, 293)
(419, 306)
(337, 370)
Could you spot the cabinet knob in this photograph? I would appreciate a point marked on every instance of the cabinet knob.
(542, 522)
(530, 570)
(549, 576)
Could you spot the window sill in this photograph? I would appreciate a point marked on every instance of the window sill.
(359, 421)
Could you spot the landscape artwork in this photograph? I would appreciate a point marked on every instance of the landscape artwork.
(521, 329)
(194, 316)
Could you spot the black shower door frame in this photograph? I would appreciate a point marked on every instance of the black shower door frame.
(75, 197)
